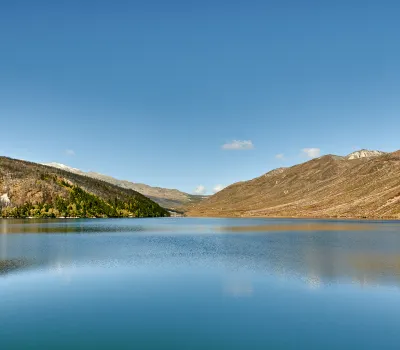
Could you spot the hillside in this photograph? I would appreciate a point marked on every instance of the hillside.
(167, 198)
(30, 189)
(364, 185)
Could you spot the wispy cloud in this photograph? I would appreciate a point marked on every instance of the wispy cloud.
(218, 188)
(311, 152)
(280, 156)
(238, 145)
(69, 152)
(200, 190)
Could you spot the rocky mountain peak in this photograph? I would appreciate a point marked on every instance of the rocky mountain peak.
(364, 153)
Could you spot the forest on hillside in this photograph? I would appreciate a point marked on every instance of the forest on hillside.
(42, 192)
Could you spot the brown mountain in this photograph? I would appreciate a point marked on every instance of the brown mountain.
(167, 198)
(360, 185)
(31, 189)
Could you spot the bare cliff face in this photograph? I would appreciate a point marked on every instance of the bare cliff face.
(167, 198)
(361, 185)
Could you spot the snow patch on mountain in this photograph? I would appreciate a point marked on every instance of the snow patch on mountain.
(64, 167)
(364, 153)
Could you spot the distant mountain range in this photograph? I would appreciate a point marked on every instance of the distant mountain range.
(363, 184)
(34, 190)
(167, 198)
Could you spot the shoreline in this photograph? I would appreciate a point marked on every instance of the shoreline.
(372, 218)
(71, 217)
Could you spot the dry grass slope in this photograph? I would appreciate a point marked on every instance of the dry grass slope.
(326, 187)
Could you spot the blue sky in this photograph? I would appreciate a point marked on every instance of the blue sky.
(151, 91)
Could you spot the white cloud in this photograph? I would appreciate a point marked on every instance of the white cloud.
(218, 188)
(311, 152)
(200, 190)
(69, 152)
(280, 156)
(238, 145)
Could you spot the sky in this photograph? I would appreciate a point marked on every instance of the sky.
(196, 95)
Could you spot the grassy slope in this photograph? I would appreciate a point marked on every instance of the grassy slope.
(329, 186)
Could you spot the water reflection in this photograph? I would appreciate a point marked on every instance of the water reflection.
(318, 226)
(312, 252)
(12, 265)
(238, 287)
(42, 226)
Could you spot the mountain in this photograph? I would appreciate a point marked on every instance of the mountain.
(364, 153)
(167, 198)
(364, 184)
(30, 189)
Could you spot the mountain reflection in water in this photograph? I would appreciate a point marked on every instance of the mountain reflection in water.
(7, 266)
(316, 252)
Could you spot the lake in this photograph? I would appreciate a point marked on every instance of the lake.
(188, 283)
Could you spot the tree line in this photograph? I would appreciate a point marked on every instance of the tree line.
(81, 204)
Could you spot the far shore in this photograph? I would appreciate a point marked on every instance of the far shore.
(77, 217)
(371, 218)
(355, 218)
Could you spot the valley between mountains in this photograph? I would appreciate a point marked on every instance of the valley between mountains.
(363, 184)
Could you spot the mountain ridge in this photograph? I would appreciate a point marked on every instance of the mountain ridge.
(32, 189)
(168, 198)
(364, 153)
(328, 186)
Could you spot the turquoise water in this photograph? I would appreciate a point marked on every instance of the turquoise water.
(183, 283)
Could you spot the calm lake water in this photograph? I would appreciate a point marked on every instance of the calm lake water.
(183, 283)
